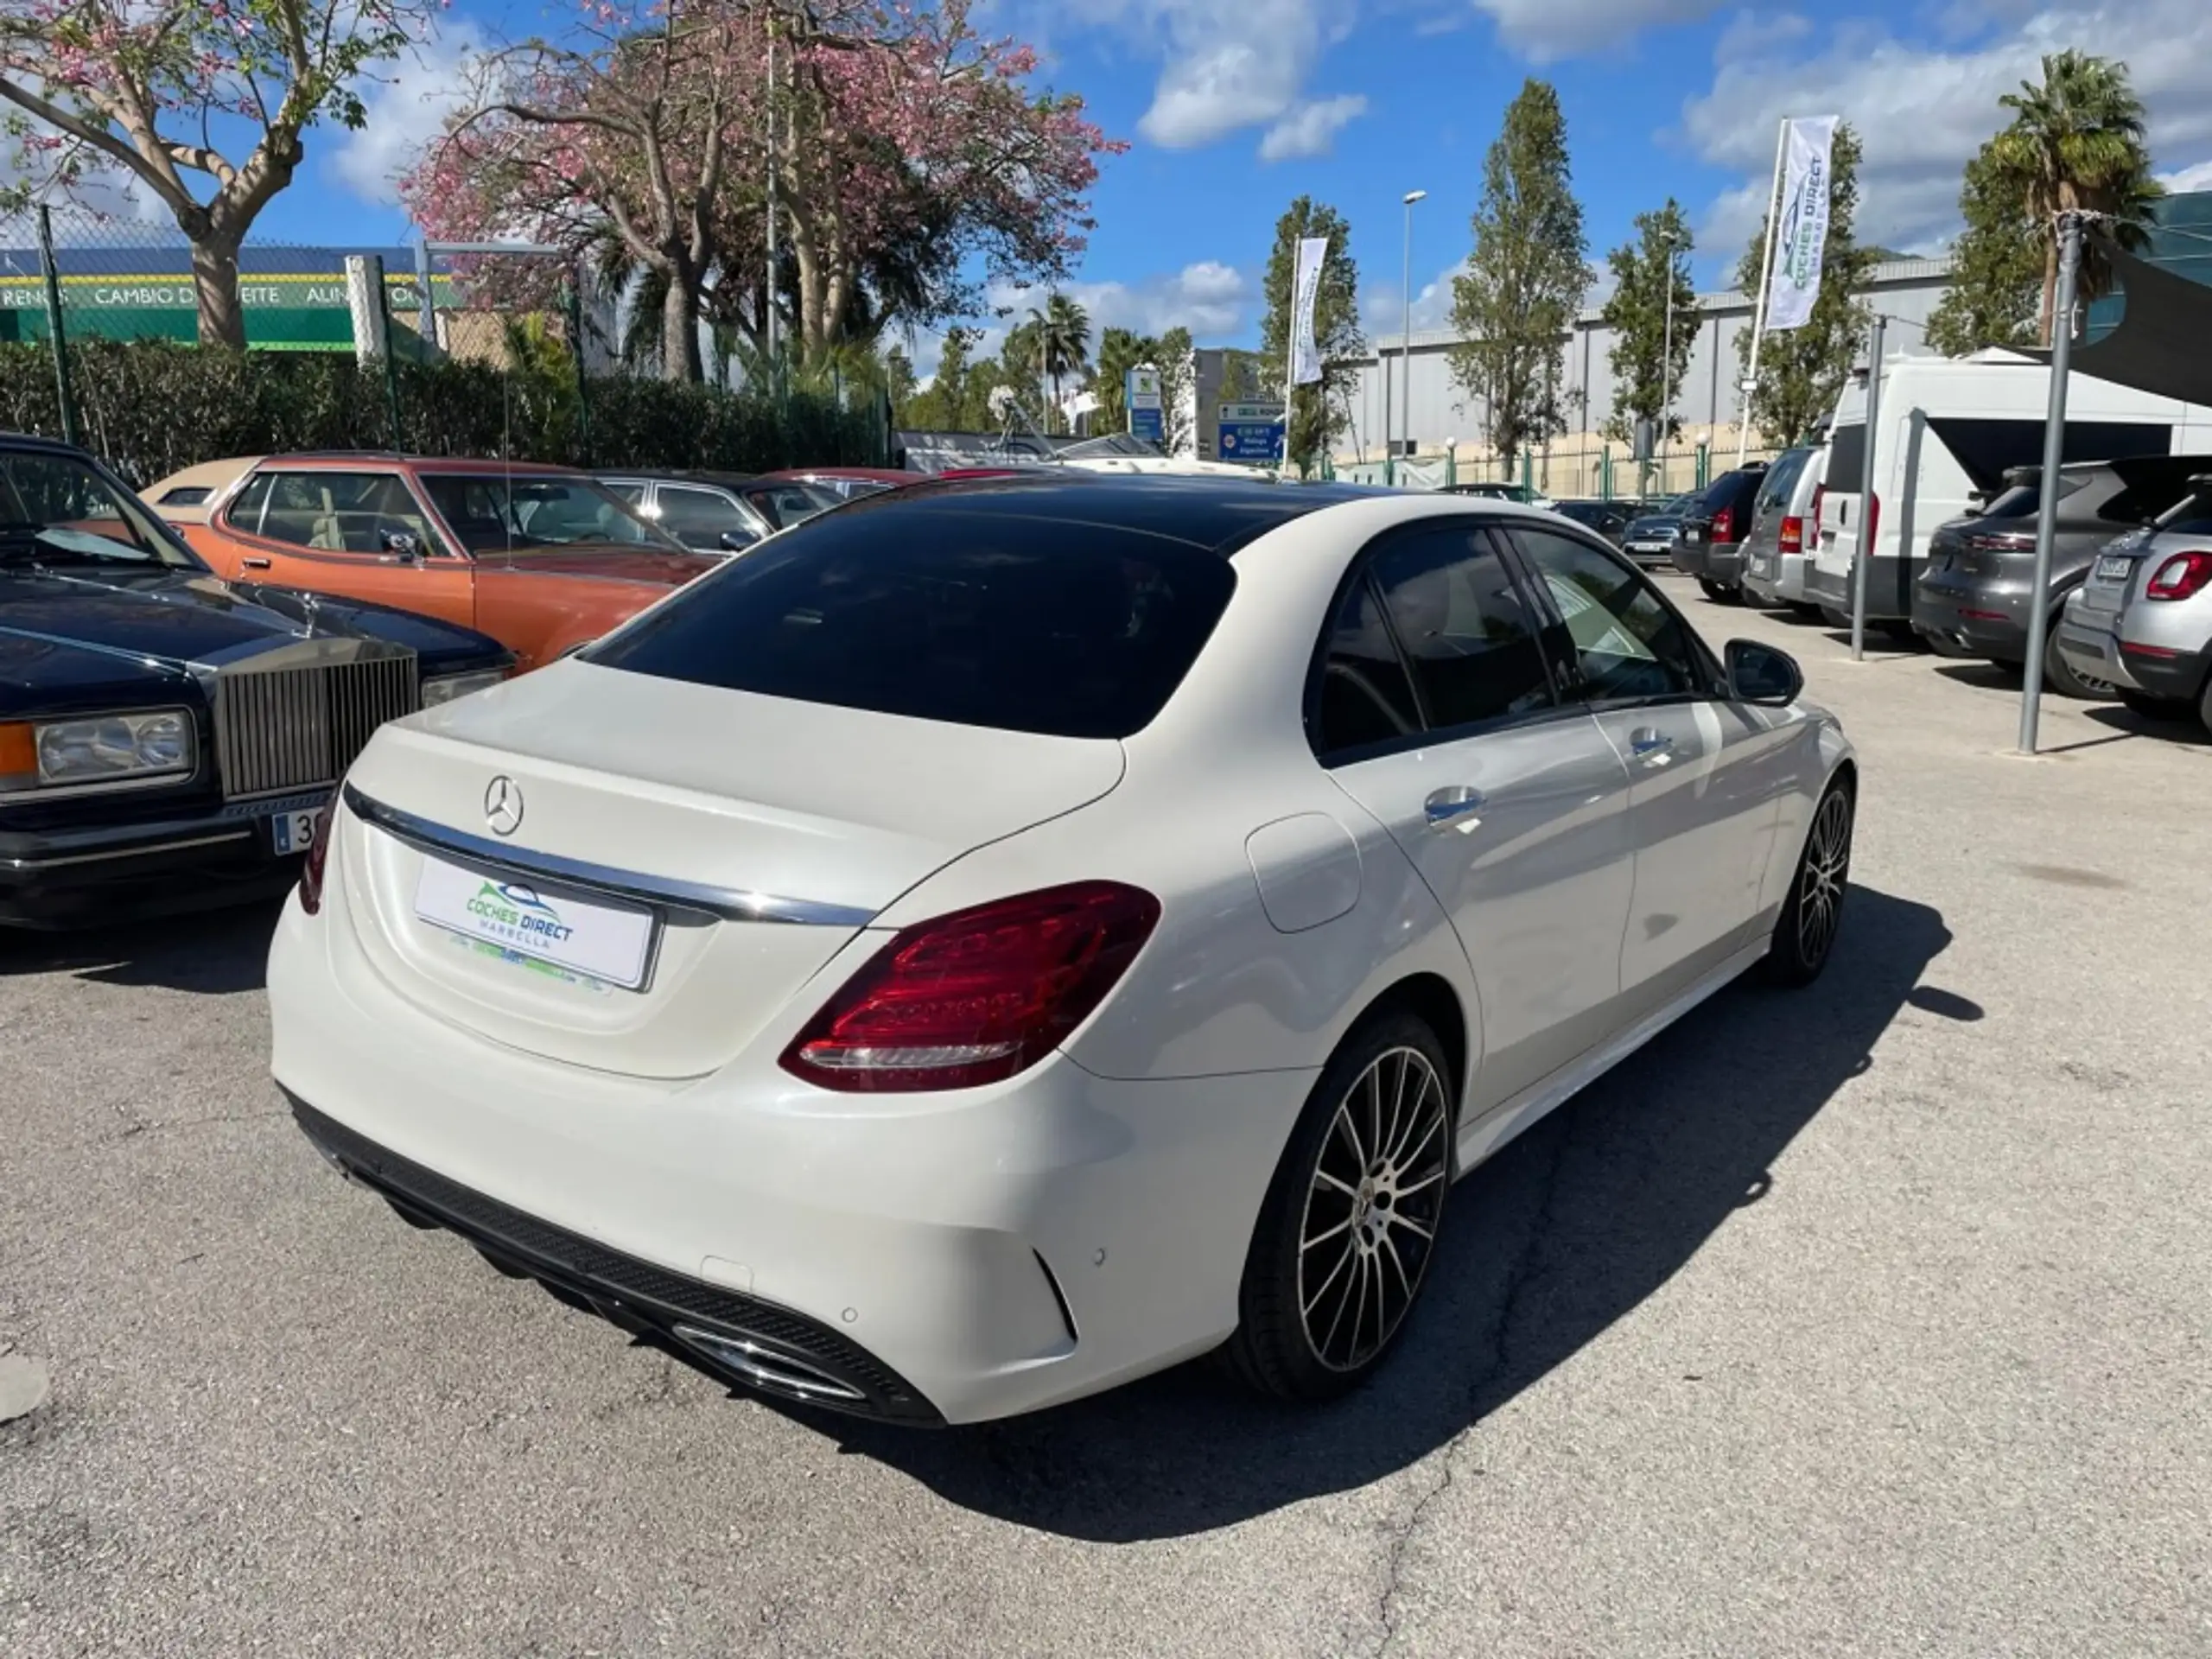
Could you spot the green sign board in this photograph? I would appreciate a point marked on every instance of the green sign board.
(284, 312)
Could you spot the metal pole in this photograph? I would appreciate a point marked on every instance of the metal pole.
(57, 336)
(1766, 281)
(2054, 455)
(391, 356)
(576, 350)
(426, 315)
(1406, 293)
(1864, 558)
(775, 358)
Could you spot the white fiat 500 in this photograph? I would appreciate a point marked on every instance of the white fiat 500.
(1001, 939)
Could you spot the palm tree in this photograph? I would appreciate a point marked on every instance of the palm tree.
(2078, 141)
(1119, 351)
(1063, 333)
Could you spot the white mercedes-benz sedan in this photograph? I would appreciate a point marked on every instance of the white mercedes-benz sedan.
(1003, 937)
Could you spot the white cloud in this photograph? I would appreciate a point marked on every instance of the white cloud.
(1545, 29)
(1921, 110)
(407, 109)
(1382, 305)
(2187, 179)
(1225, 66)
(1310, 129)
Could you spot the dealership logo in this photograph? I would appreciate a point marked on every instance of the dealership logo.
(502, 806)
(510, 911)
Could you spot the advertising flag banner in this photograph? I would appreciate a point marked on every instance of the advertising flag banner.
(1304, 355)
(1802, 229)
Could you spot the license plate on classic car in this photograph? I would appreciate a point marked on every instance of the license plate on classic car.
(609, 943)
(291, 830)
(2114, 568)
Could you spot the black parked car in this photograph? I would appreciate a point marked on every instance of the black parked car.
(1972, 597)
(1653, 528)
(1609, 518)
(1711, 546)
(169, 739)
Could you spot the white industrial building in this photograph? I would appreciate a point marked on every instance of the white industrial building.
(1444, 416)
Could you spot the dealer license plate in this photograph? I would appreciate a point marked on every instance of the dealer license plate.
(2114, 568)
(608, 943)
(291, 831)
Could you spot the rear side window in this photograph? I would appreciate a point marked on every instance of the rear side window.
(1464, 630)
(974, 618)
(341, 512)
(186, 495)
(1847, 473)
(1365, 697)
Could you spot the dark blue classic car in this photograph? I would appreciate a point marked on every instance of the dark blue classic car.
(167, 738)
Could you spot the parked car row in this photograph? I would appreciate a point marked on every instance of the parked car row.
(1952, 530)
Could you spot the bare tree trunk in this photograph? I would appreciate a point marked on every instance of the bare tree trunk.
(215, 287)
(679, 330)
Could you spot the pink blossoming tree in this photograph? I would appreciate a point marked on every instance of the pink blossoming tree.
(145, 85)
(899, 157)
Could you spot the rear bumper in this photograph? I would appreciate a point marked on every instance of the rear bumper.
(1691, 558)
(93, 876)
(2178, 677)
(732, 1335)
(2090, 650)
(1775, 576)
(990, 1250)
(1988, 624)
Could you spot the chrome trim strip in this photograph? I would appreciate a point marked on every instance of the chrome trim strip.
(659, 890)
(123, 852)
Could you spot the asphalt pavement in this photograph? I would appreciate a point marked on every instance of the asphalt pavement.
(1875, 1319)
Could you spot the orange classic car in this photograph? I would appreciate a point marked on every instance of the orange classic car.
(542, 558)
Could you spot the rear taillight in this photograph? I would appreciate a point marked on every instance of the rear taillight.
(317, 859)
(1987, 541)
(1723, 525)
(2182, 576)
(978, 995)
(1792, 538)
(1873, 529)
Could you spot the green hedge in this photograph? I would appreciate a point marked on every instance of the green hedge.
(152, 407)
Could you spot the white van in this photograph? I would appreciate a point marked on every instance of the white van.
(1950, 429)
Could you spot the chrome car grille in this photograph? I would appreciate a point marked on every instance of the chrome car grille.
(289, 729)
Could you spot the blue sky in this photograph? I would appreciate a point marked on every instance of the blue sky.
(1232, 109)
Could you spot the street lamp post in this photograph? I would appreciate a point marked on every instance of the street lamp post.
(1406, 293)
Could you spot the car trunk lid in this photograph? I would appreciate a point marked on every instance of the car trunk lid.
(706, 851)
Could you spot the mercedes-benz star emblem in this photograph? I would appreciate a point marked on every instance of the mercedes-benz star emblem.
(502, 806)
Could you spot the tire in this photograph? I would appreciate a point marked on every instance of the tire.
(1836, 619)
(1302, 1331)
(2204, 705)
(1719, 593)
(2067, 681)
(1805, 932)
(2150, 707)
(1948, 649)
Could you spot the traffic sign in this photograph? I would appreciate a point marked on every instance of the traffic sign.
(1249, 441)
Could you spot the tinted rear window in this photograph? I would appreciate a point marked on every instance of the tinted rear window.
(1847, 473)
(977, 618)
(1781, 479)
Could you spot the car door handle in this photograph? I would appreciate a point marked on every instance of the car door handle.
(1650, 744)
(252, 564)
(1449, 808)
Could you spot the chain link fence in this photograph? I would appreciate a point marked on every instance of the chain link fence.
(425, 351)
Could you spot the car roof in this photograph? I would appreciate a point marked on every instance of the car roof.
(1212, 513)
(865, 474)
(322, 461)
(679, 475)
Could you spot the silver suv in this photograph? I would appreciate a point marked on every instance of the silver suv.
(2142, 621)
(1785, 517)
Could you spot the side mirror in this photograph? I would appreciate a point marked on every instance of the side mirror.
(1760, 674)
(739, 541)
(401, 545)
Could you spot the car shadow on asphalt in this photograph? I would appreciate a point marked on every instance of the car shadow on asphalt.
(1547, 1245)
(212, 953)
(2183, 727)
